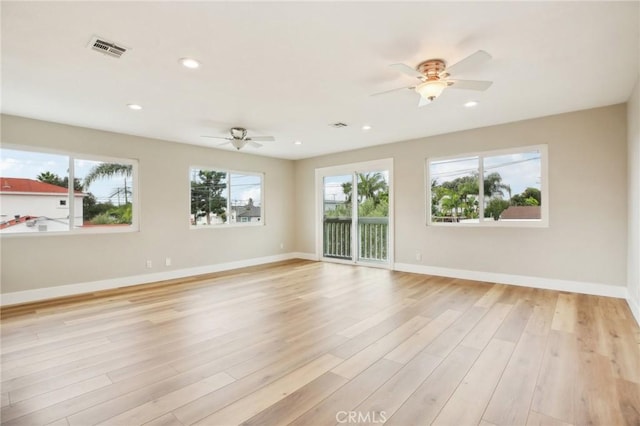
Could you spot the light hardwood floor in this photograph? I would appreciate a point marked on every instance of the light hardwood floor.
(308, 343)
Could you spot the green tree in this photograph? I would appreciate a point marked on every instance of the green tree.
(372, 186)
(206, 195)
(495, 207)
(54, 179)
(529, 197)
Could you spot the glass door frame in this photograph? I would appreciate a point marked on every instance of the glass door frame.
(353, 169)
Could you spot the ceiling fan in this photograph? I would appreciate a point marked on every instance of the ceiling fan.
(434, 76)
(239, 138)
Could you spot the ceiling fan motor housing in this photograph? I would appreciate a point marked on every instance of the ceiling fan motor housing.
(432, 68)
(238, 133)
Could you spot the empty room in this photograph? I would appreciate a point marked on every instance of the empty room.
(320, 213)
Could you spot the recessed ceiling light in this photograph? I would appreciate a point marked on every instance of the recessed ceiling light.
(134, 107)
(366, 127)
(471, 104)
(297, 143)
(189, 63)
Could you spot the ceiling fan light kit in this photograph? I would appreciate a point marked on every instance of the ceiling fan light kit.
(431, 89)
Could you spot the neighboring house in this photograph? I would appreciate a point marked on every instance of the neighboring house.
(21, 198)
(246, 213)
(521, 213)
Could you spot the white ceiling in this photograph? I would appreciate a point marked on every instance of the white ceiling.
(290, 69)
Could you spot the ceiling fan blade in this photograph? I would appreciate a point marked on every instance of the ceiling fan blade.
(393, 90)
(224, 143)
(262, 138)
(406, 69)
(423, 102)
(254, 144)
(214, 137)
(469, 62)
(470, 84)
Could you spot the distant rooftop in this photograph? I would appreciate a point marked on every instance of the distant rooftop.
(30, 186)
(521, 212)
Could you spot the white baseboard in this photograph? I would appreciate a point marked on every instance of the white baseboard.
(634, 305)
(88, 287)
(596, 289)
(305, 256)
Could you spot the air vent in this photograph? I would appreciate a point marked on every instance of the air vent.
(108, 48)
(338, 125)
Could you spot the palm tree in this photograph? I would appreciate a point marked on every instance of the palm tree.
(49, 177)
(493, 185)
(371, 186)
(109, 170)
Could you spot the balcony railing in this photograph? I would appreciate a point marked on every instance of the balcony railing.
(373, 236)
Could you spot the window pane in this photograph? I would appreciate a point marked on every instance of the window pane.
(208, 197)
(104, 194)
(33, 192)
(246, 198)
(454, 190)
(512, 186)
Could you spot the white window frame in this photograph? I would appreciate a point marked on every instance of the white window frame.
(229, 172)
(543, 222)
(72, 156)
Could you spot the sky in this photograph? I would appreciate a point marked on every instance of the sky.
(242, 188)
(27, 164)
(519, 170)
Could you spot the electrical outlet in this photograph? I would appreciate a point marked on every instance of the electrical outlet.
(418, 255)
(149, 264)
(281, 246)
(167, 261)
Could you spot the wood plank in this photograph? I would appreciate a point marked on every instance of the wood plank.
(566, 313)
(44, 400)
(468, 402)
(539, 419)
(300, 401)
(629, 401)
(366, 357)
(167, 420)
(511, 400)
(166, 403)
(261, 399)
(426, 402)
(350, 395)
(391, 395)
(482, 333)
(555, 390)
(410, 347)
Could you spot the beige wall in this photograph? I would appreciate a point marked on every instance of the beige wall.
(36, 262)
(586, 240)
(633, 269)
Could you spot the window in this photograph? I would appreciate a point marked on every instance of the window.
(220, 197)
(35, 196)
(500, 188)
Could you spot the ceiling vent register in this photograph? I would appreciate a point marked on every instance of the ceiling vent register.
(106, 47)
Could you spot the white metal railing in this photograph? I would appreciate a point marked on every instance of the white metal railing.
(373, 238)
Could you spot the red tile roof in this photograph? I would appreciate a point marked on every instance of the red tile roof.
(23, 185)
(521, 212)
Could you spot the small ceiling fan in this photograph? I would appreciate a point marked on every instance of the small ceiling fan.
(239, 138)
(434, 76)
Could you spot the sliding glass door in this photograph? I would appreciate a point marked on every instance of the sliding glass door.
(354, 222)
